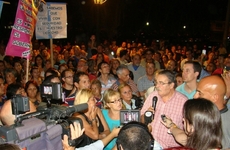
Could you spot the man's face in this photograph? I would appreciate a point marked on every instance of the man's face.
(104, 68)
(171, 65)
(188, 73)
(150, 68)
(68, 79)
(10, 78)
(136, 60)
(227, 62)
(100, 49)
(163, 86)
(21, 92)
(124, 76)
(148, 55)
(82, 66)
(84, 82)
(204, 90)
(189, 55)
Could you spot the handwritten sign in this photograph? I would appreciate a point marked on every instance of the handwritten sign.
(20, 39)
(51, 21)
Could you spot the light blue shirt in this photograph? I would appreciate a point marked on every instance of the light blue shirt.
(182, 90)
(112, 124)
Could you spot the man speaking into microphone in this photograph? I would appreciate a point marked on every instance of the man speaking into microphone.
(169, 103)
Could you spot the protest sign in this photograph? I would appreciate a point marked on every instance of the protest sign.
(51, 21)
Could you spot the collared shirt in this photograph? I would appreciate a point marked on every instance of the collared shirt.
(144, 83)
(104, 86)
(173, 109)
(129, 107)
(130, 83)
(182, 90)
(138, 71)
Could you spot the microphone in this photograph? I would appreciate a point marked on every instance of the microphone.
(154, 104)
(149, 116)
(76, 108)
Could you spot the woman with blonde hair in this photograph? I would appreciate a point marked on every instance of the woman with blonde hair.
(126, 96)
(112, 105)
(92, 118)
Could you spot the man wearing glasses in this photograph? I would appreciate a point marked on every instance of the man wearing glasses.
(170, 103)
(67, 79)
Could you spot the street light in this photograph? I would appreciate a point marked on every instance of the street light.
(99, 1)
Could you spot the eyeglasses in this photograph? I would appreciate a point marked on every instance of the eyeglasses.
(69, 77)
(116, 101)
(161, 83)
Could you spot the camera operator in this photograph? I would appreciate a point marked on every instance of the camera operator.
(6, 115)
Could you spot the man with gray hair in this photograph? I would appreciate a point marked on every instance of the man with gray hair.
(123, 77)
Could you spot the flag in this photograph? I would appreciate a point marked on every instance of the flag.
(22, 32)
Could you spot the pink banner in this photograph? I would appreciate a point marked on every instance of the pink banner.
(20, 39)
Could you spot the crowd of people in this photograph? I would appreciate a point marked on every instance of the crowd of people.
(192, 87)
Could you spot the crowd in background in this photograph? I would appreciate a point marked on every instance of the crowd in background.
(110, 77)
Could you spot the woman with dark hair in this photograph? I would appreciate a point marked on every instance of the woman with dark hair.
(202, 125)
(35, 75)
(114, 64)
(39, 62)
(32, 90)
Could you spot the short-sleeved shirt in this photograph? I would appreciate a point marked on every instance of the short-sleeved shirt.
(173, 108)
(112, 124)
(182, 91)
(144, 83)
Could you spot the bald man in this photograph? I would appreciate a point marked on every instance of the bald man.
(213, 88)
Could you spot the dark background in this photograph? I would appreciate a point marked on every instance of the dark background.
(126, 19)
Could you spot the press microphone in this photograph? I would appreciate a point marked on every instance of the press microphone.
(154, 103)
(76, 108)
(149, 116)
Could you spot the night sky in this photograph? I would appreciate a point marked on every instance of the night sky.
(126, 19)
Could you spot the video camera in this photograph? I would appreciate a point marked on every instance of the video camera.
(44, 128)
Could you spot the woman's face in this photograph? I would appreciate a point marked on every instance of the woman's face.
(32, 91)
(115, 64)
(126, 93)
(18, 66)
(115, 103)
(35, 73)
(96, 89)
(91, 103)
